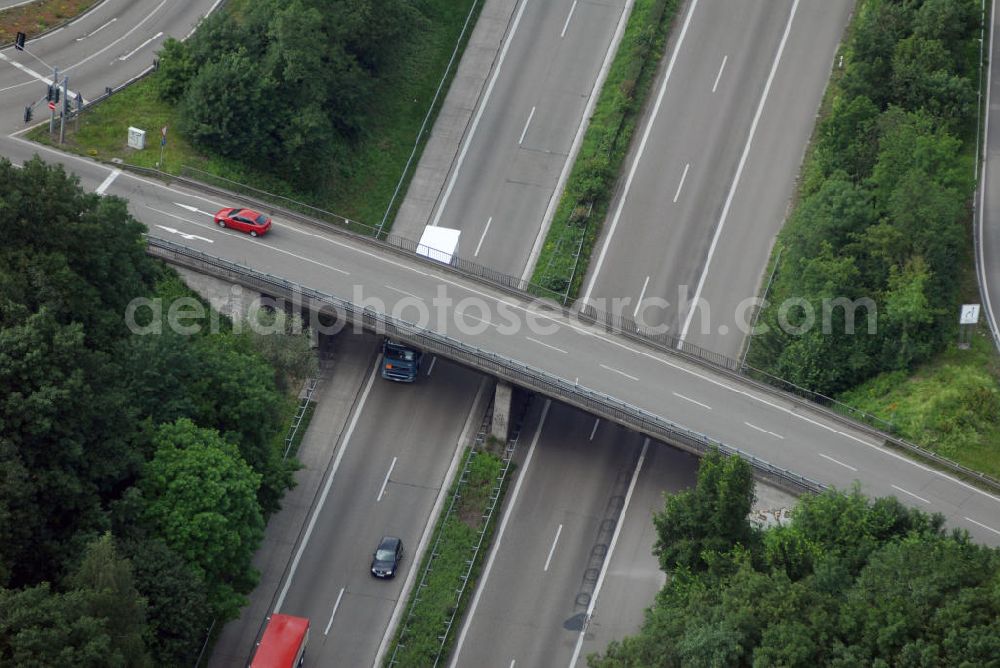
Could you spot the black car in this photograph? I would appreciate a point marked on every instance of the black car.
(387, 556)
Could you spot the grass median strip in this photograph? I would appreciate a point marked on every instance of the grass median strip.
(563, 261)
(436, 605)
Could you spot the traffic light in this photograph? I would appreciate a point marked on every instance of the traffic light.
(56, 98)
(27, 114)
(19, 41)
(50, 93)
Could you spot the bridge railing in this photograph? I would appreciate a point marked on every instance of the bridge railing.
(498, 365)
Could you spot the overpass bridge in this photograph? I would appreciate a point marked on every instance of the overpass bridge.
(602, 364)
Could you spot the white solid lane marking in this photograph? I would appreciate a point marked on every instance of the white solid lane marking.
(542, 343)
(184, 235)
(499, 536)
(431, 367)
(106, 183)
(980, 524)
(764, 431)
(719, 75)
(607, 557)
(551, 550)
(638, 158)
(140, 47)
(326, 487)
(402, 292)
(609, 368)
(568, 17)
(642, 294)
(80, 39)
(479, 115)
(335, 606)
(846, 466)
(465, 314)
(739, 173)
(485, 230)
(526, 124)
(594, 430)
(386, 481)
(193, 209)
(904, 491)
(697, 403)
(680, 185)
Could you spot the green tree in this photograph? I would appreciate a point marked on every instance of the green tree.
(73, 443)
(710, 518)
(175, 70)
(42, 629)
(235, 394)
(951, 22)
(202, 499)
(879, 26)
(848, 137)
(178, 610)
(923, 77)
(108, 580)
(229, 108)
(286, 346)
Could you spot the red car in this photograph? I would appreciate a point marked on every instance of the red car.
(245, 220)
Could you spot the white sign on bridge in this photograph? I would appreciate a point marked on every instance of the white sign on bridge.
(438, 243)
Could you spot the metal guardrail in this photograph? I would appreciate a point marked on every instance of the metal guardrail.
(299, 414)
(497, 365)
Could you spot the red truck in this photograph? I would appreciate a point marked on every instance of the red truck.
(283, 644)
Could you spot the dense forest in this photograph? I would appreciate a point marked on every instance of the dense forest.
(848, 582)
(884, 200)
(284, 86)
(135, 470)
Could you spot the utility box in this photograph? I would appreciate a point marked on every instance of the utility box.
(136, 138)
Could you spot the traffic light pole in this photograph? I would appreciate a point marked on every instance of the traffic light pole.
(62, 119)
(52, 106)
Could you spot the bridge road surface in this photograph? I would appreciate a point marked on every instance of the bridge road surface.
(517, 144)
(693, 168)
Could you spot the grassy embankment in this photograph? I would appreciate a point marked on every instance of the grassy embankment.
(361, 190)
(38, 17)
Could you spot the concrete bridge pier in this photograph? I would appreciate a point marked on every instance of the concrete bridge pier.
(501, 411)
